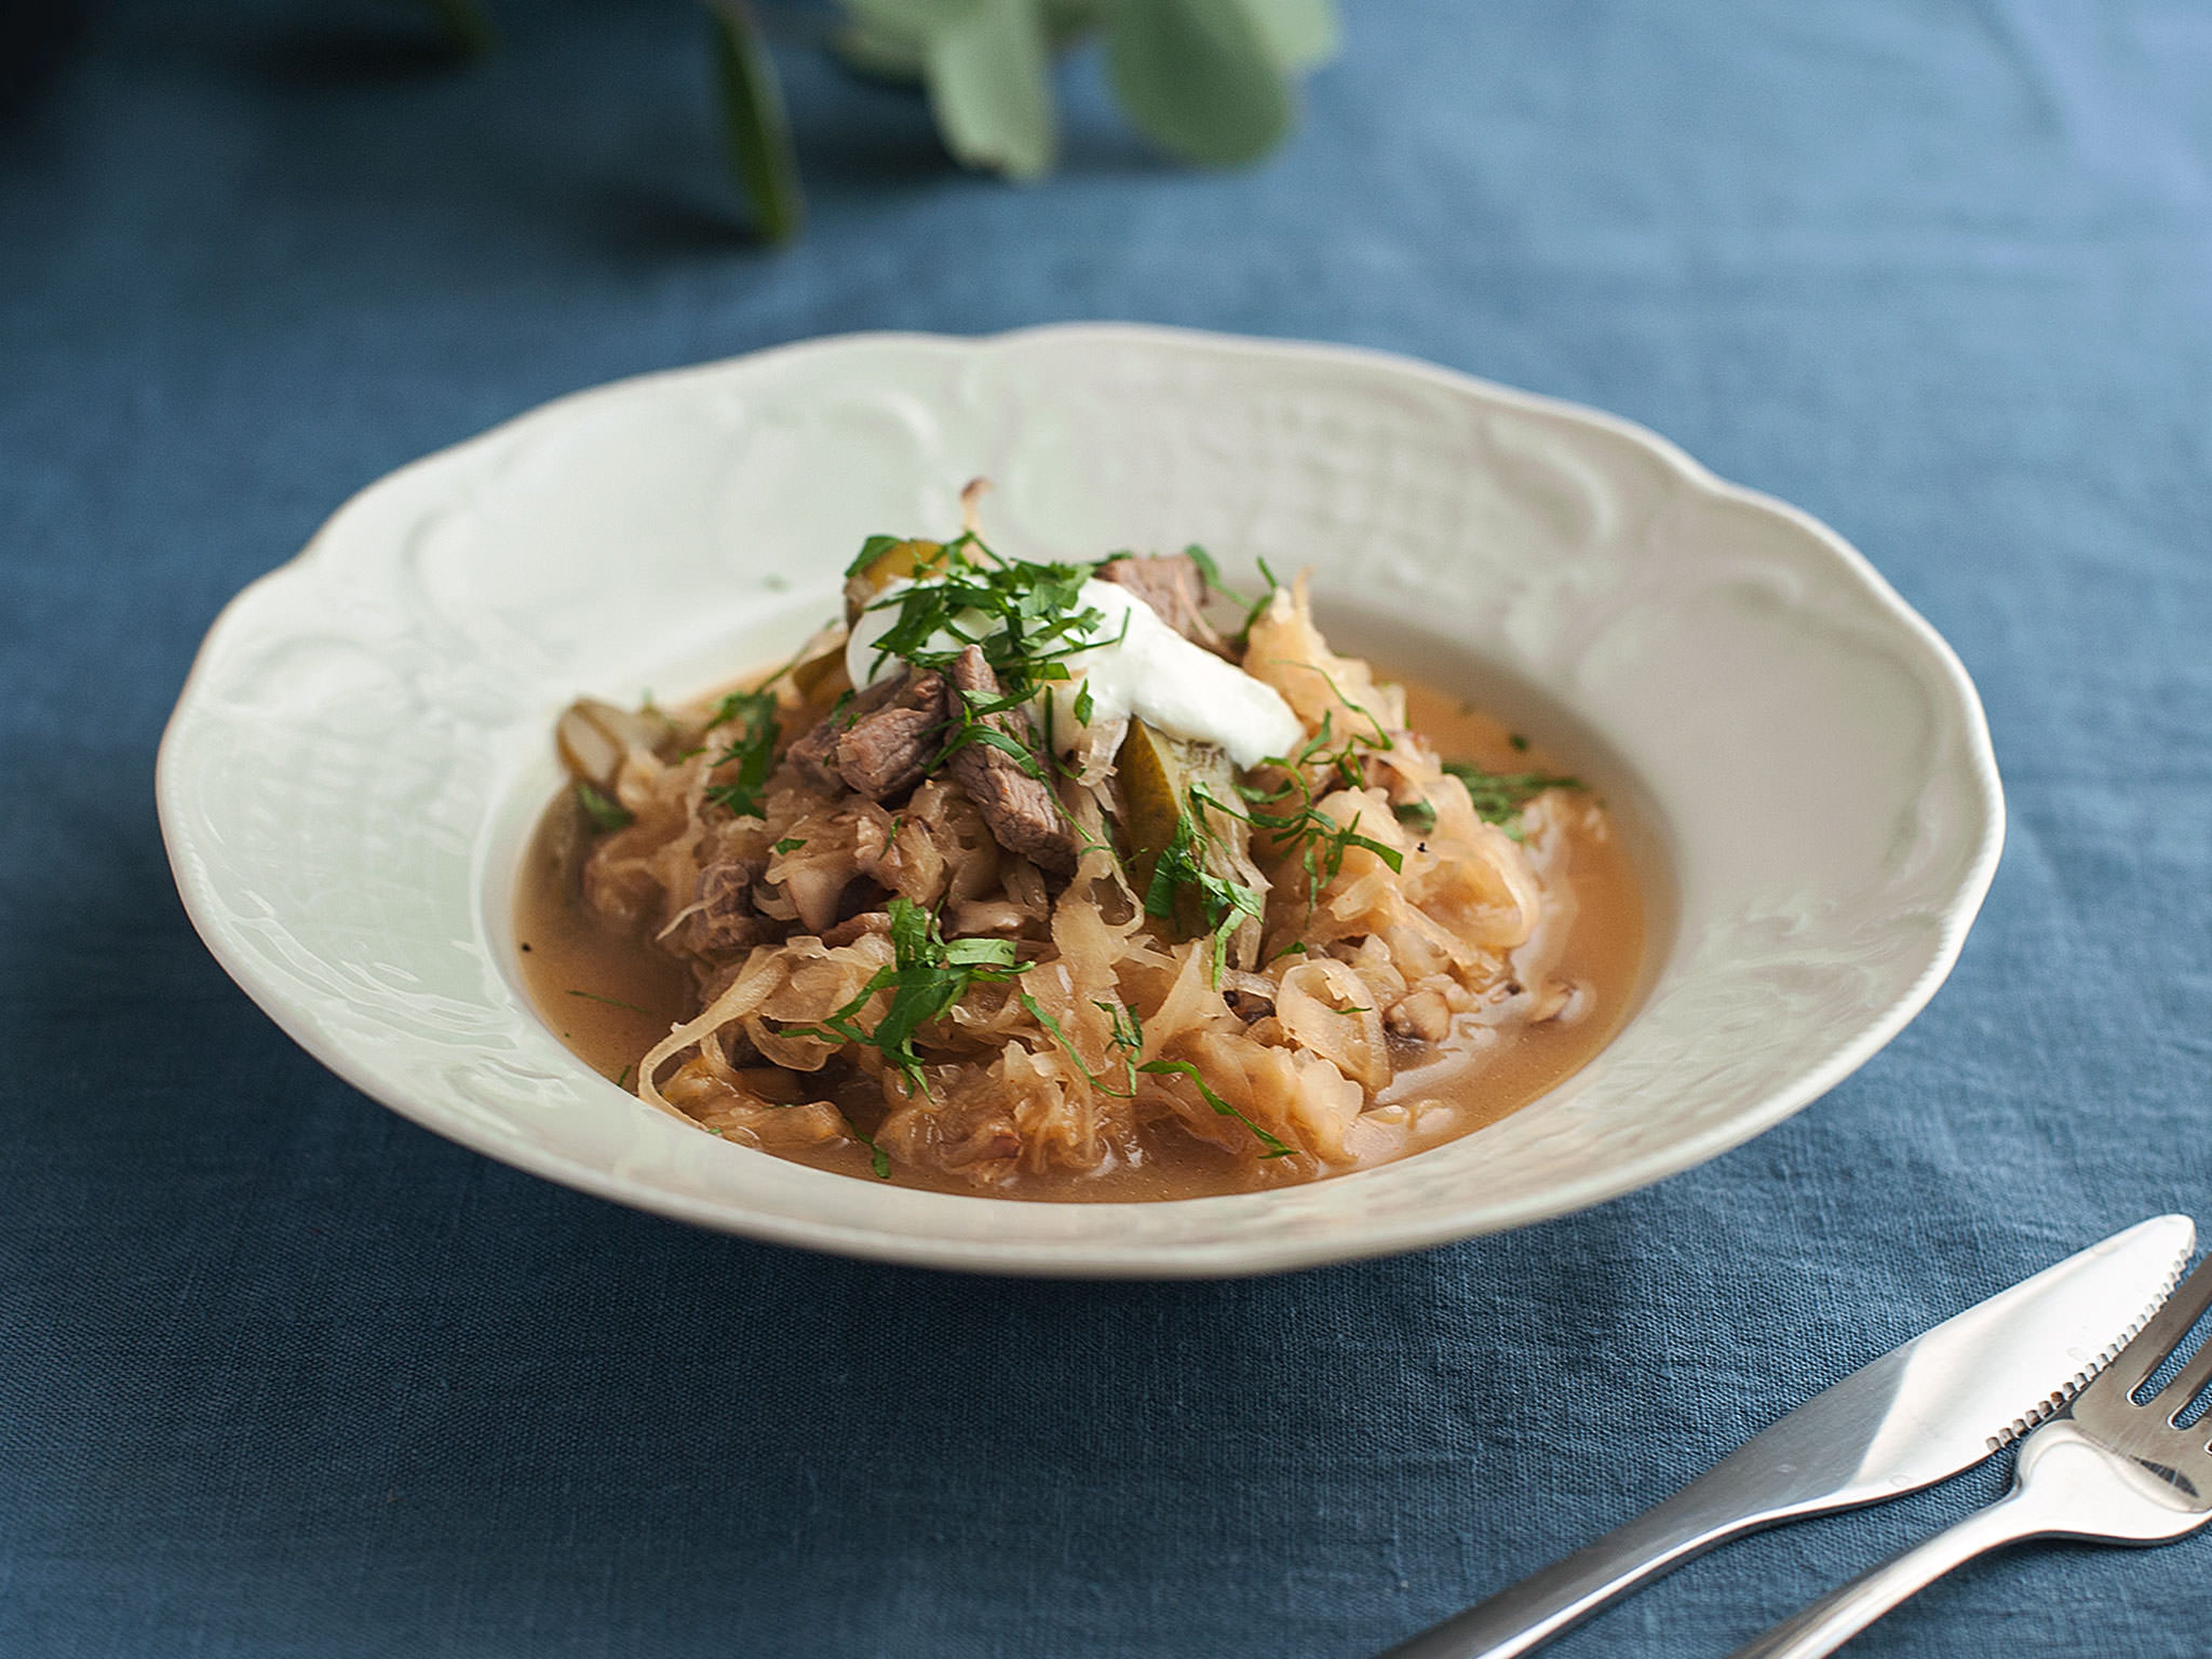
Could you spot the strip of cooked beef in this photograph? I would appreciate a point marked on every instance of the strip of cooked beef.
(1018, 805)
(1175, 587)
(882, 742)
(815, 754)
(727, 920)
(868, 922)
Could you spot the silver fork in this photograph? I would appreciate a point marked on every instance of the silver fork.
(2109, 1471)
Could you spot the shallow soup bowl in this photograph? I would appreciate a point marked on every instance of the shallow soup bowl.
(352, 775)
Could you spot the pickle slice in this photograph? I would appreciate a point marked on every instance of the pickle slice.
(818, 670)
(1153, 776)
(908, 560)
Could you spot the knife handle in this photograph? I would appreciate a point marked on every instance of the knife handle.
(1708, 1512)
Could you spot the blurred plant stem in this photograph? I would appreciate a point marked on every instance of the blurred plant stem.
(466, 27)
(754, 127)
(1214, 83)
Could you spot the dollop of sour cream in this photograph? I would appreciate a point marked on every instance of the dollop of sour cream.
(1142, 669)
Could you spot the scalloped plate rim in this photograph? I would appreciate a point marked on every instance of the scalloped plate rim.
(1087, 1260)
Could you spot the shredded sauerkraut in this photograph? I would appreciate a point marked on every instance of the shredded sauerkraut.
(920, 922)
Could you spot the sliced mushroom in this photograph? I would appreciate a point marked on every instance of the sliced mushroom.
(595, 738)
(1423, 1016)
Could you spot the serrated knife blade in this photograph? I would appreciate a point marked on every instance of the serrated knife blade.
(1920, 1414)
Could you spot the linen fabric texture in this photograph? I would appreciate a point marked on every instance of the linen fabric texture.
(285, 1375)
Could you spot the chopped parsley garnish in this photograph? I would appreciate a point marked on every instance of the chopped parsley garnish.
(594, 996)
(1052, 1028)
(1275, 1148)
(751, 750)
(1180, 869)
(1244, 638)
(1416, 815)
(927, 975)
(1027, 618)
(1127, 1031)
(1083, 705)
(1499, 796)
(878, 1159)
(1290, 815)
(1208, 568)
(789, 844)
(603, 809)
(970, 710)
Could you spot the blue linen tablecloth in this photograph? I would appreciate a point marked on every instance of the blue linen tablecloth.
(284, 1376)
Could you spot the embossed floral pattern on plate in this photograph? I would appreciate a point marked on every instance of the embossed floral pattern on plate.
(350, 775)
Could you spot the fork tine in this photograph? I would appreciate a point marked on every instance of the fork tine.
(2162, 1333)
(2174, 1399)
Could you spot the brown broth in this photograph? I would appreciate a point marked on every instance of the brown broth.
(612, 995)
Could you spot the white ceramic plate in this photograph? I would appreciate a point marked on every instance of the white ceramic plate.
(359, 754)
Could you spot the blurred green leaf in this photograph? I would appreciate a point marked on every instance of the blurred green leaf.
(466, 25)
(916, 19)
(990, 87)
(1066, 22)
(1200, 77)
(753, 123)
(1207, 80)
(882, 53)
(1299, 33)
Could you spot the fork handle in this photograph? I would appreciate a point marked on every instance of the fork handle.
(1842, 1613)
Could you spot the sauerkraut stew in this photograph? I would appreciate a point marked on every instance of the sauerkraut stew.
(1074, 882)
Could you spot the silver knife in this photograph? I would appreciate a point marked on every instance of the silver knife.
(1920, 1414)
